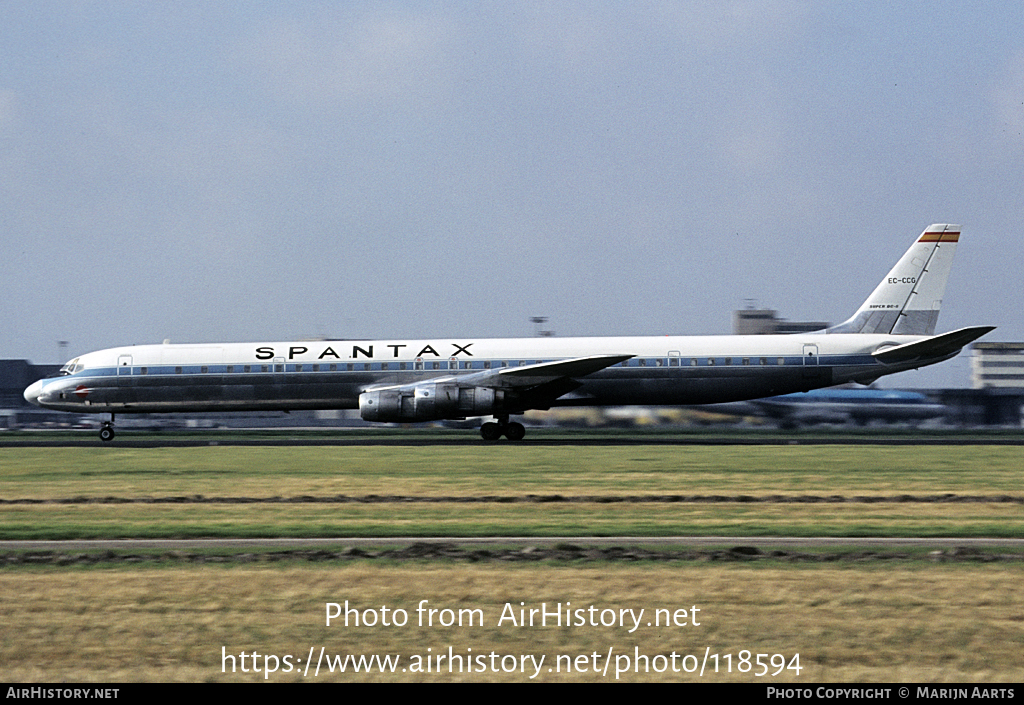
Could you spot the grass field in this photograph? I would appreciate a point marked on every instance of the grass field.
(874, 622)
(854, 624)
(112, 492)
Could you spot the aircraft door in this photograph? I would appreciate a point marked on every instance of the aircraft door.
(125, 393)
(124, 370)
(810, 359)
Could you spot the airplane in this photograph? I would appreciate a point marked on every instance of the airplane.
(400, 380)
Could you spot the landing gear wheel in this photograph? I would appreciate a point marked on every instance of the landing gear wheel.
(490, 431)
(107, 433)
(515, 431)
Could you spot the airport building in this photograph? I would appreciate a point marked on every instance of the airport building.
(15, 376)
(766, 321)
(996, 396)
(997, 366)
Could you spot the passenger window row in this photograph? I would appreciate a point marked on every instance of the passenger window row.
(701, 361)
(452, 364)
(339, 367)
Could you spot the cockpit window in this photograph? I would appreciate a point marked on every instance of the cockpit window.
(72, 367)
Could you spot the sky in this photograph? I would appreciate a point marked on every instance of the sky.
(264, 171)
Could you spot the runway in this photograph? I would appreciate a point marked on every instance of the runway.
(534, 439)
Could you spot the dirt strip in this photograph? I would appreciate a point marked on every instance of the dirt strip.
(537, 499)
(559, 553)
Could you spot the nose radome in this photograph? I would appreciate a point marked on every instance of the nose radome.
(33, 392)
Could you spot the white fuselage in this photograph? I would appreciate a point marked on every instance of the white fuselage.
(331, 374)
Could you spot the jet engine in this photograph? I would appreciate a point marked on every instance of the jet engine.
(432, 401)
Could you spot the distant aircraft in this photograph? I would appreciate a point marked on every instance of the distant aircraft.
(399, 380)
(818, 406)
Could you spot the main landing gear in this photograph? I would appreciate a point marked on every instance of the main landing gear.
(107, 430)
(492, 431)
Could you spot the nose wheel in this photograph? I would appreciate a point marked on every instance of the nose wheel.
(107, 430)
(492, 431)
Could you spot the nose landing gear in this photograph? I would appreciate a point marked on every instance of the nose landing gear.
(107, 430)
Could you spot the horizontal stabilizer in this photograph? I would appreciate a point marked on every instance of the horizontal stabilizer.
(939, 346)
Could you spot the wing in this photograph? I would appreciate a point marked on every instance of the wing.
(540, 382)
(543, 372)
(500, 390)
(537, 386)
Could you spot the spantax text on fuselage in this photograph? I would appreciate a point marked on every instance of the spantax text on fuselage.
(397, 350)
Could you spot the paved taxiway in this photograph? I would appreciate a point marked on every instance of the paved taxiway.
(471, 439)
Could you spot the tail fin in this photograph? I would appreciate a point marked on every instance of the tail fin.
(908, 299)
